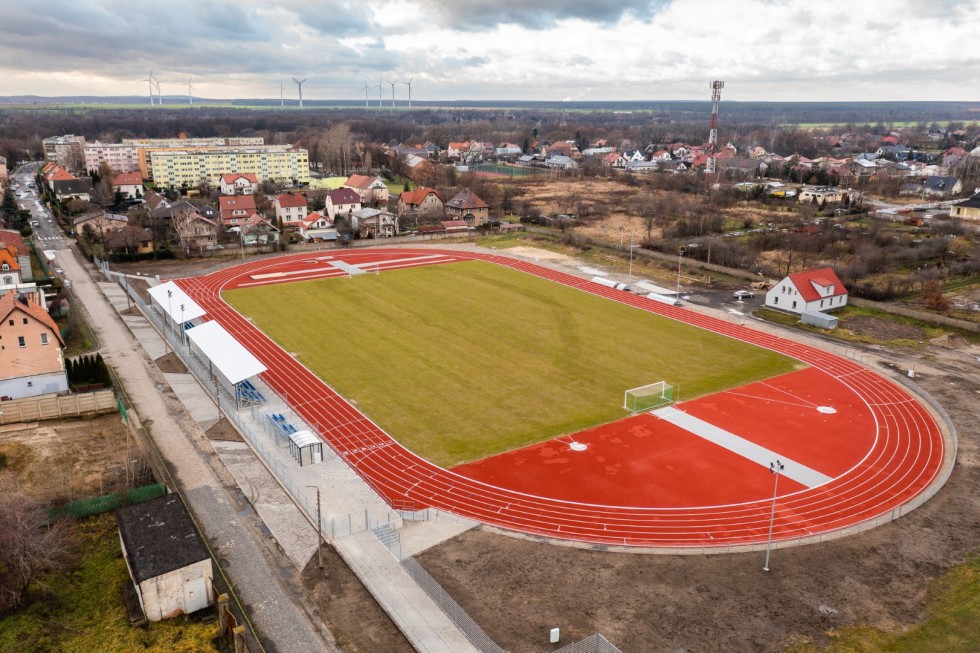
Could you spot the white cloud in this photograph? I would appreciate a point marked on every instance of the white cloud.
(503, 49)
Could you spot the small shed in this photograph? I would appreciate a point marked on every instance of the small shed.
(166, 558)
(818, 319)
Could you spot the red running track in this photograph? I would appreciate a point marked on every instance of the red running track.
(905, 455)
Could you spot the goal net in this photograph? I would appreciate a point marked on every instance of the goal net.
(648, 397)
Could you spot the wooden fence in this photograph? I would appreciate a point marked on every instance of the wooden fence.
(33, 409)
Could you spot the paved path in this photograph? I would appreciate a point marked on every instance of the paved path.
(263, 585)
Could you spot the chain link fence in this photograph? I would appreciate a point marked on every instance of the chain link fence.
(592, 644)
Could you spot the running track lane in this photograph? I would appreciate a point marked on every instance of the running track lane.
(906, 456)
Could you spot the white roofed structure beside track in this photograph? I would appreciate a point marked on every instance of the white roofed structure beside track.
(226, 354)
(177, 305)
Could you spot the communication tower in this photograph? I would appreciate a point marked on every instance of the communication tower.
(713, 134)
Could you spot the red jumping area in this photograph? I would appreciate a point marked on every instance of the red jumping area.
(652, 484)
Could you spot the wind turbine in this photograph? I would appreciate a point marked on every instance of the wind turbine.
(366, 87)
(409, 83)
(282, 91)
(299, 83)
(393, 93)
(381, 85)
(149, 80)
(190, 90)
(159, 94)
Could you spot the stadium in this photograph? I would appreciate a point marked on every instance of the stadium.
(547, 405)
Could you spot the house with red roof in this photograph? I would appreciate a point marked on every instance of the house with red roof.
(10, 268)
(318, 227)
(291, 208)
(237, 183)
(130, 184)
(421, 201)
(810, 291)
(31, 360)
(372, 189)
(235, 209)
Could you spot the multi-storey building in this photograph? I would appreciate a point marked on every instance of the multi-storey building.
(121, 157)
(66, 151)
(191, 167)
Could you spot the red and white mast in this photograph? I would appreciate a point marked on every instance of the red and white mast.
(713, 134)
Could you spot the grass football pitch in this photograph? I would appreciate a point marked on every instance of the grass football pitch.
(466, 360)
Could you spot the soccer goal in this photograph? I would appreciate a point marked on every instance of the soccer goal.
(648, 397)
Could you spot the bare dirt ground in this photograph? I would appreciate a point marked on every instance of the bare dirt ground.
(357, 622)
(881, 328)
(517, 589)
(61, 460)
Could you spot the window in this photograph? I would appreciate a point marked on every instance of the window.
(11, 323)
(794, 304)
(44, 338)
(25, 320)
(21, 342)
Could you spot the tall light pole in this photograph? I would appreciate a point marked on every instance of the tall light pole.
(170, 313)
(680, 252)
(630, 281)
(182, 324)
(774, 468)
(319, 528)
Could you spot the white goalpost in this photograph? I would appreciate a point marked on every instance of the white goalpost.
(648, 397)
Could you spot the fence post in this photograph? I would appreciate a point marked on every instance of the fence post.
(222, 612)
(239, 635)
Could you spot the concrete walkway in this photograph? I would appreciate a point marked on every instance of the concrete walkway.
(275, 485)
(275, 608)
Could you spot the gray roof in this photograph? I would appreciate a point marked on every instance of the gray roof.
(972, 203)
(159, 537)
(940, 183)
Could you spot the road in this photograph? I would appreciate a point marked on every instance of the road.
(242, 550)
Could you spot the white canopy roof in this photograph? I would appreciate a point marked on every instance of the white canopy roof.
(225, 353)
(174, 301)
(303, 438)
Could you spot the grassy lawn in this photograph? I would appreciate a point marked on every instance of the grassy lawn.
(951, 627)
(81, 610)
(465, 360)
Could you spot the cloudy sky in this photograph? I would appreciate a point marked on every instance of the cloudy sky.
(496, 49)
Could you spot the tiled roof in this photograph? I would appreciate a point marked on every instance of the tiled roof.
(12, 238)
(361, 181)
(8, 255)
(9, 303)
(291, 200)
(232, 177)
(417, 196)
(344, 196)
(466, 199)
(807, 281)
(128, 179)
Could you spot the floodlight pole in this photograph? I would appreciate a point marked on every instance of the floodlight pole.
(630, 280)
(319, 528)
(170, 313)
(680, 252)
(182, 324)
(774, 468)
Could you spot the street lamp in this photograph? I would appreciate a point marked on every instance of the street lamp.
(774, 468)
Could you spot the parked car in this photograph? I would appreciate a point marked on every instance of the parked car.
(743, 294)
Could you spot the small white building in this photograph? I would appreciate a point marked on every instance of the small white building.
(167, 560)
(239, 184)
(811, 291)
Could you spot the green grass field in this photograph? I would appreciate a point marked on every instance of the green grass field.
(466, 360)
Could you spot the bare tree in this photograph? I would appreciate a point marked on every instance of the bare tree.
(28, 546)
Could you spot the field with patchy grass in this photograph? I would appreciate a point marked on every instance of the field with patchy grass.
(462, 361)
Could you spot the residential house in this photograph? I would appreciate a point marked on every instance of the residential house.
(317, 227)
(457, 150)
(661, 155)
(31, 360)
(131, 239)
(933, 185)
(256, 230)
(99, 224)
(11, 239)
(469, 208)
(810, 291)
(4, 175)
(561, 162)
(239, 183)
(374, 223)
(341, 202)
(372, 189)
(423, 201)
(291, 208)
(967, 209)
(821, 195)
(10, 268)
(130, 184)
(167, 560)
(614, 160)
(66, 185)
(894, 152)
(235, 209)
(420, 169)
(508, 151)
(195, 231)
(643, 166)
